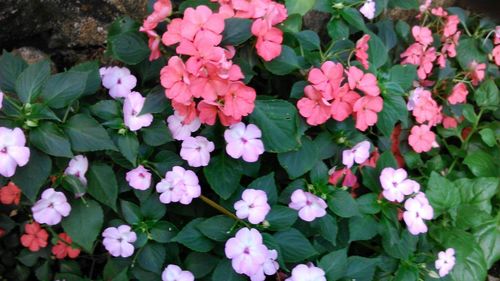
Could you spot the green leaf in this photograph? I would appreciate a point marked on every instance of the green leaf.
(442, 194)
(152, 209)
(43, 272)
(337, 29)
(62, 89)
(478, 191)
(223, 174)
(236, 31)
(92, 80)
(163, 232)
(216, 228)
(298, 89)
(326, 227)
(42, 112)
(29, 83)
(394, 110)
(281, 218)
(377, 51)
(10, 68)
(129, 47)
(488, 237)
(129, 146)
(488, 136)
(166, 160)
(300, 7)
(342, 204)
(195, 3)
(86, 134)
(278, 120)
(157, 134)
(406, 273)
(130, 212)
(106, 109)
(285, 63)
(403, 30)
(192, 238)
(292, 24)
(200, 264)
(51, 139)
(386, 160)
(155, 102)
(301, 250)
(102, 184)
(360, 268)
(309, 40)
(334, 264)
(353, 18)
(73, 184)
(403, 75)
(404, 4)
(482, 164)
(362, 228)
(152, 257)
(32, 176)
(224, 271)
(468, 113)
(84, 223)
(267, 184)
(487, 94)
(368, 204)
(467, 51)
(297, 163)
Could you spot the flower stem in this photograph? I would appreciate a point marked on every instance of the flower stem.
(221, 209)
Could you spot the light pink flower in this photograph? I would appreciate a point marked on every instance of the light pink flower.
(132, 108)
(359, 154)
(13, 151)
(118, 241)
(458, 94)
(414, 98)
(118, 80)
(417, 209)
(368, 9)
(308, 272)
(244, 141)
(422, 35)
(422, 139)
(246, 251)
(309, 205)
(496, 55)
(270, 267)
(396, 185)
(174, 273)
(477, 72)
(253, 205)
(196, 151)
(182, 130)
(51, 207)
(179, 185)
(1, 99)
(445, 261)
(78, 167)
(139, 178)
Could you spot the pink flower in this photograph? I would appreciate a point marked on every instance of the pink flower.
(270, 267)
(244, 141)
(13, 151)
(51, 207)
(366, 109)
(422, 35)
(179, 185)
(413, 54)
(417, 209)
(253, 205)
(396, 185)
(327, 79)
(269, 44)
(426, 63)
(445, 261)
(1, 99)
(174, 273)
(350, 179)
(439, 12)
(196, 151)
(365, 82)
(368, 9)
(132, 116)
(477, 71)
(202, 20)
(309, 205)
(449, 122)
(359, 154)
(450, 27)
(239, 100)
(77, 167)
(181, 130)
(118, 80)
(422, 139)
(308, 272)
(361, 50)
(414, 98)
(343, 103)
(153, 44)
(314, 106)
(246, 251)
(458, 94)
(118, 241)
(495, 53)
(161, 10)
(426, 109)
(176, 80)
(139, 178)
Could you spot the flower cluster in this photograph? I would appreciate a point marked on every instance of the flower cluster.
(161, 10)
(36, 238)
(179, 185)
(10, 194)
(327, 97)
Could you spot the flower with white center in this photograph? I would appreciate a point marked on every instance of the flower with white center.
(309, 205)
(417, 209)
(196, 151)
(253, 205)
(359, 154)
(396, 185)
(368, 9)
(13, 151)
(244, 141)
(445, 261)
(51, 208)
(179, 185)
(308, 272)
(132, 116)
(139, 178)
(174, 273)
(118, 241)
(118, 80)
(179, 129)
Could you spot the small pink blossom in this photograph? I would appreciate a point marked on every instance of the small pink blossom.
(426, 109)
(422, 35)
(449, 122)
(179, 185)
(139, 178)
(365, 82)
(118, 241)
(196, 151)
(246, 251)
(327, 79)
(1, 99)
(422, 139)
(450, 27)
(51, 207)
(176, 80)
(458, 94)
(270, 267)
(269, 44)
(132, 116)
(314, 107)
(309, 205)
(118, 80)
(244, 141)
(414, 98)
(361, 50)
(359, 154)
(445, 261)
(343, 103)
(477, 72)
(366, 109)
(78, 167)
(253, 205)
(13, 151)
(349, 178)
(174, 273)
(495, 54)
(426, 63)
(179, 128)
(396, 185)
(368, 9)
(202, 20)
(308, 272)
(417, 209)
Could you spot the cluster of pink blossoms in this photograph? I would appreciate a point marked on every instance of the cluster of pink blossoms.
(266, 14)
(328, 97)
(161, 10)
(396, 186)
(179, 185)
(250, 256)
(307, 272)
(421, 53)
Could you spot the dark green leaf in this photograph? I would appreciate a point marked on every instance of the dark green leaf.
(377, 52)
(342, 204)
(129, 146)
(224, 271)
(300, 7)
(10, 68)
(488, 237)
(200, 264)
(404, 75)
(156, 102)
(285, 63)
(217, 228)
(299, 162)
(130, 212)
(192, 238)
(29, 83)
(62, 89)
(354, 18)
(152, 257)
(394, 110)
(236, 31)
(467, 51)
(157, 134)
(361, 268)
(106, 109)
(362, 228)
(166, 160)
(102, 184)
(163, 232)
(51, 139)
(84, 223)
(487, 94)
(129, 47)
(442, 193)
(334, 264)
(93, 79)
(302, 248)
(337, 29)
(309, 40)
(32, 176)
(268, 184)
(482, 164)
(404, 4)
(223, 174)
(86, 134)
(281, 218)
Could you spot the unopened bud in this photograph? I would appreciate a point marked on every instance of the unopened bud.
(338, 6)
(31, 123)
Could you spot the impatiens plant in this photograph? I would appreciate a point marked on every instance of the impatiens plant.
(226, 141)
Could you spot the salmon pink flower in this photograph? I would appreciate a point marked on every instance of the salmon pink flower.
(450, 27)
(366, 109)
(153, 44)
(161, 10)
(309, 205)
(422, 35)
(449, 122)
(13, 151)
(176, 81)
(174, 273)
(10, 194)
(477, 72)
(343, 103)
(244, 141)
(458, 94)
(132, 116)
(349, 179)
(179, 185)
(426, 63)
(368, 9)
(495, 54)
(179, 129)
(173, 34)
(118, 80)
(35, 237)
(269, 44)
(365, 82)
(308, 272)
(239, 101)
(209, 112)
(422, 139)
(359, 154)
(445, 261)
(118, 241)
(396, 185)
(139, 178)
(427, 109)
(196, 151)
(413, 54)
(314, 106)
(417, 209)
(327, 79)
(188, 111)
(361, 50)
(202, 20)
(51, 208)
(64, 249)
(246, 251)
(439, 12)
(253, 205)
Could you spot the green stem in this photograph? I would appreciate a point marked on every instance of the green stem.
(221, 209)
